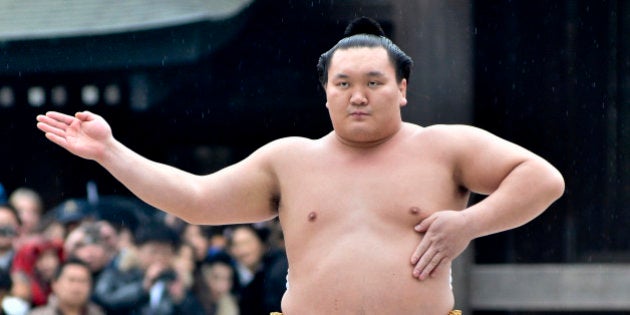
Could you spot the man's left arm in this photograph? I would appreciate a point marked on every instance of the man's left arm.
(520, 186)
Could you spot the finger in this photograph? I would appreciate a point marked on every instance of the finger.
(432, 266)
(425, 224)
(428, 262)
(423, 262)
(85, 115)
(67, 119)
(53, 123)
(61, 141)
(420, 250)
(47, 128)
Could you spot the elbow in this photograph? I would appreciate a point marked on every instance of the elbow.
(555, 184)
(547, 182)
(560, 185)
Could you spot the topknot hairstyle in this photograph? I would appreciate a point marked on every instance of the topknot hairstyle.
(364, 25)
(366, 32)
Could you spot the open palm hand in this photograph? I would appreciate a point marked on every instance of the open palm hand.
(85, 134)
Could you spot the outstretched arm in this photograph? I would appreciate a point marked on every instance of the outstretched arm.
(243, 192)
(520, 186)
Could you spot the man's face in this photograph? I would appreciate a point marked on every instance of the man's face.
(194, 236)
(29, 211)
(218, 277)
(155, 253)
(73, 286)
(363, 96)
(95, 255)
(247, 248)
(8, 229)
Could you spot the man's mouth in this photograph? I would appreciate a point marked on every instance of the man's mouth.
(358, 114)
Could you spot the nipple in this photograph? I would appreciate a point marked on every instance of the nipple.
(414, 210)
(312, 216)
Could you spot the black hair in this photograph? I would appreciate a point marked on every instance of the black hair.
(158, 233)
(13, 210)
(365, 32)
(200, 286)
(261, 232)
(68, 262)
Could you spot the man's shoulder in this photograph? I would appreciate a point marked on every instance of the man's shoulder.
(288, 145)
(449, 139)
(44, 310)
(449, 128)
(292, 141)
(450, 132)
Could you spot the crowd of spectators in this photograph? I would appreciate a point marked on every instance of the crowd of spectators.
(117, 255)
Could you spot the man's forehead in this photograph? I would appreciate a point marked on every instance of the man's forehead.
(353, 52)
(6, 216)
(374, 61)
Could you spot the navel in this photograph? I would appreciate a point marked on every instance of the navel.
(414, 210)
(312, 216)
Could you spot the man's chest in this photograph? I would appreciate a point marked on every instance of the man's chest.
(402, 191)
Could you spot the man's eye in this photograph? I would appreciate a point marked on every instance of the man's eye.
(373, 83)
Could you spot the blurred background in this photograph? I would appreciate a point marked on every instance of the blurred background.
(201, 84)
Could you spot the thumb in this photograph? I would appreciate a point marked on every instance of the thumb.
(84, 115)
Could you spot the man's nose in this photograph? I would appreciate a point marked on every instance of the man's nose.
(358, 98)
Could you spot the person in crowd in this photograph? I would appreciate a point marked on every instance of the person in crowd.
(124, 224)
(71, 287)
(185, 264)
(191, 252)
(197, 237)
(33, 270)
(151, 286)
(10, 305)
(9, 232)
(215, 285)
(5, 288)
(262, 269)
(217, 240)
(94, 244)
(30, 207)
(72, 212)
(51, 229)
(374, 212)
(172, 221)
(3, 194)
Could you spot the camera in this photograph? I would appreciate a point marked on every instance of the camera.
(167, 276)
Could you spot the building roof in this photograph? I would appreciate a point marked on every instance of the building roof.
(40, 19)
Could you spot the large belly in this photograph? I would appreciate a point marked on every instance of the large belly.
(362, 270)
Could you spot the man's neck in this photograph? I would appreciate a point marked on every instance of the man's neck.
(70, 309)
(367, 144)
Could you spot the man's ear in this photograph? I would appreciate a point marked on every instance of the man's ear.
(402, 87)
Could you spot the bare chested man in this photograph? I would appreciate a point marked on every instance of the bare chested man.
(373, 213)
